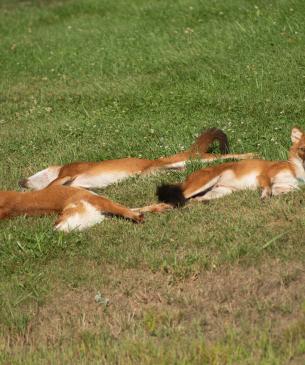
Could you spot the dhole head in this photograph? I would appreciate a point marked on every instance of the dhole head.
(298, 142)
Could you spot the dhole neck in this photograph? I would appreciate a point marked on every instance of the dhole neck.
(292, 155)
(297, 165)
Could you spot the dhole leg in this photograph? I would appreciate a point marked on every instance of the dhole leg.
(278, 189)
(265, 185)
(243, 156)
(77, 216)
(3, 213)
(108, 206)
(153, 208)
(62, 181)
(215, 193)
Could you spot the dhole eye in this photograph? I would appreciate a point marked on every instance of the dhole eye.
(302, 149)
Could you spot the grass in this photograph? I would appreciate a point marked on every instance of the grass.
(221, 283)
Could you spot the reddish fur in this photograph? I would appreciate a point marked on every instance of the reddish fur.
(135, 165)
(265, 171)
(138, 165)
(132, 166)
(54, 199)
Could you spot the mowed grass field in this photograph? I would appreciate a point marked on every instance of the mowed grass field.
(218, 283)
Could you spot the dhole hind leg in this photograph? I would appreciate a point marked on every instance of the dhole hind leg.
(85, 213)
(107, 206)
(78, 216)
(215, 193)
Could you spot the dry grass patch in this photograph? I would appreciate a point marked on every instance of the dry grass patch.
(142, 303)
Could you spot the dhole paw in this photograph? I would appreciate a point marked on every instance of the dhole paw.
(139, 218)
(161, 207)
(266, 193)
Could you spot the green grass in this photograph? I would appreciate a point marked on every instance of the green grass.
(221, 283)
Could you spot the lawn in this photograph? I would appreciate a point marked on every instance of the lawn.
(219, 283)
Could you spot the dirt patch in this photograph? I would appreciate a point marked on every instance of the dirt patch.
(141, 302)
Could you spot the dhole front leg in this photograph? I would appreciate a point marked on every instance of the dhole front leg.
(237, 156)
(278, 189)
(215, 193)
(84, 213)
(265, 185)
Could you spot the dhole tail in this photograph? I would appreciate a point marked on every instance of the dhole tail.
(196, 184)
(199, 149)
(205, 140)
(171, 194)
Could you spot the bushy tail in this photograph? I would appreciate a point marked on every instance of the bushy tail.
(205, 140)
(197, 150)
(171, 194)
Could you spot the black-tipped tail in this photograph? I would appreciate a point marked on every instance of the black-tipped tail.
(171, 194)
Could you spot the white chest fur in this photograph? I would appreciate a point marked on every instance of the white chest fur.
(298, 168)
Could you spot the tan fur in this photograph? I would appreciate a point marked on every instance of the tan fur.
(101, 174)
(62, 200)
(272, 177)
(154, 208)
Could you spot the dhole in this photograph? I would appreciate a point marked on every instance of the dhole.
(101, 174)
(78, 208)
(272, 177)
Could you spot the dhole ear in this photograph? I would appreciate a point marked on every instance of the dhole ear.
(296, 135)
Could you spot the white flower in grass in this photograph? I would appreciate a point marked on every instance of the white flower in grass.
(188, 30)
(100, 299)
